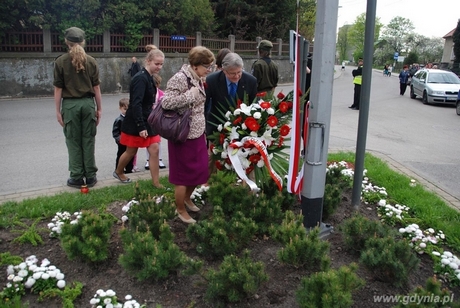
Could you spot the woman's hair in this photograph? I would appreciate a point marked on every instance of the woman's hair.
(232, 60)
(405, 66)
(77, 54)
(157, 79)
(200, 55)
(221, 55)
(152, 52)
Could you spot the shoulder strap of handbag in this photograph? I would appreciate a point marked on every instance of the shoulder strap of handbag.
(189, 81)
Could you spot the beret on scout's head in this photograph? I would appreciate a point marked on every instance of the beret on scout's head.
(266, 45)
(75, 35)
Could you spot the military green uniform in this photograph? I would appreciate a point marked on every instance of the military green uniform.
(78, 111)
(265, 70)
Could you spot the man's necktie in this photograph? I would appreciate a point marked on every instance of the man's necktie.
(232, 92)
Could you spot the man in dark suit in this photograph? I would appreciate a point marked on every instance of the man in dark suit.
(221, 84)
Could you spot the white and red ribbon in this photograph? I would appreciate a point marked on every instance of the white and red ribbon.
(236, 162)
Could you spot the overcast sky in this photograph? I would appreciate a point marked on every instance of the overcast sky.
(429, 17)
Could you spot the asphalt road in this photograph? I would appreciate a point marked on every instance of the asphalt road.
(423, 138)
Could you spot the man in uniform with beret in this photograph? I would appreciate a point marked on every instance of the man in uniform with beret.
(265, 70)
(77, 97)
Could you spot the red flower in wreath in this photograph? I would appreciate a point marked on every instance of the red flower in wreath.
(221, 138)
(249, 169)
(272, 121)
(252, 124)
(261, 94)
(219, 165)
(254, 158)
(280, 95)
(284, 107)
(237, 120)
(284, 130)
(238, 103)
(265, 105)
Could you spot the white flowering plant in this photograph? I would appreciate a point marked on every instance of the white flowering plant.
(392, 214)
(60, 219)
(371, 193)
(265, 120)
(447, 265)
(423, 241)
(32, 275)
(108, 299)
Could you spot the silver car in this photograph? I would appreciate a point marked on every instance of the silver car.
(435, 86)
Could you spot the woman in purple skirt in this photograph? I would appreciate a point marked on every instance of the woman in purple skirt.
(188, 161)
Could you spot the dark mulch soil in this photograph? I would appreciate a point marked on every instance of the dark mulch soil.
(179, 291)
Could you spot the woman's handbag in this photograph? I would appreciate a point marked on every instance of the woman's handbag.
(170, 124)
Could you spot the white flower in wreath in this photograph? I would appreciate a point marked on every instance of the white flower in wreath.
(227, 115)
(267, 138)
(224, 155)
(260, 163)
(243, 126)
(227, 124)
(234, 134)
(245, 163)
(271, 111)
(237, 112)
(257, 115)
(245, 109)
(219, 127)
(253, 134)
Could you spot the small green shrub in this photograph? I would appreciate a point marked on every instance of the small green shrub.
(431, 296)
(68, 295)
(6, 259)
(332, 198)
(332, 288)
(358, 229)
(236, 278)
(88, 239)
(290, 227)
(218, 237)
(148, 258)
(389, 259)
(149, 214)
(29, 234)
(304, 251)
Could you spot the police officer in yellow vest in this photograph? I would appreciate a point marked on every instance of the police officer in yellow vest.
(357, 81)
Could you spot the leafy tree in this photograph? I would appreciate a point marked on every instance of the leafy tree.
(456, 39)
(14, 15)
(396, 32)
(307, 19)
(356, 34)
(342, 42)
(412, 57)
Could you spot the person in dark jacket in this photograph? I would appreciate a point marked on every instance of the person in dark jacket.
(116, 134)
(135, 131)
(265, 70)
(404, 78)
(135, 67)
(357, 81)
(219, 85)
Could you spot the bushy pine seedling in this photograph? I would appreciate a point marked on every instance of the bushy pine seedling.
(88, 239)
(7, 259)
(287, 200)
(290, 227)
(332, 197)
(358, 229)
(67, 295)
(332, 288)
(424, 297)
(218, 237)
(148, 258)
(29, 233)
(389, 259)
(334, 176)
(304, 251)
(149, 214)
(236, 278)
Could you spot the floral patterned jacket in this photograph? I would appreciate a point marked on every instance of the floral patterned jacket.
(178, 96)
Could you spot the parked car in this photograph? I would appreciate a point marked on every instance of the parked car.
(458, 103)
(435, 86)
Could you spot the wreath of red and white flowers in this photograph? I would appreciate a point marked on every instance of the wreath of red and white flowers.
(251, 138)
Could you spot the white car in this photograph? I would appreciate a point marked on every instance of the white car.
(435, 86)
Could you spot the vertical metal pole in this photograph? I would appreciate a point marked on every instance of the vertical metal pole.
(364, 102)
(319, 114)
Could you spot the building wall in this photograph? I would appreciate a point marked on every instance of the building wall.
(29, 74)
(447, 55)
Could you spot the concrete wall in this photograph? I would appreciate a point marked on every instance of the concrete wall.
(32, 75)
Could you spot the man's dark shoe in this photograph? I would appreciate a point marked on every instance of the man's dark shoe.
(75, 183)
(351, 106)
(90, 182)
(355, 108)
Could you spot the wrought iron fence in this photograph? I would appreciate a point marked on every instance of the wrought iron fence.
(33, 41)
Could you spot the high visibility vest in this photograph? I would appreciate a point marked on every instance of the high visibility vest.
(358, 79)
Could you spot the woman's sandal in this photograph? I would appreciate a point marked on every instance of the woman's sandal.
(192, 208)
